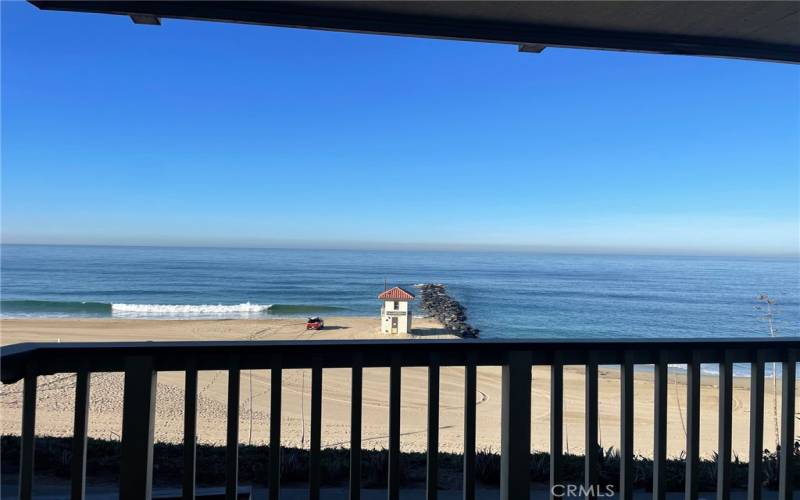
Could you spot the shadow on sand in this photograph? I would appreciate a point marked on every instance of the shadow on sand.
(429, 332)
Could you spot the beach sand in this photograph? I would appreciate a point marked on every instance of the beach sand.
(56, 393)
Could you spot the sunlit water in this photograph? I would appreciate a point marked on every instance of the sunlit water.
(507, 295)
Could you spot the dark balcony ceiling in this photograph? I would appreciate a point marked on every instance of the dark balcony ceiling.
(749, 30)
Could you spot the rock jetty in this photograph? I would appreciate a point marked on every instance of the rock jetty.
(435, 302)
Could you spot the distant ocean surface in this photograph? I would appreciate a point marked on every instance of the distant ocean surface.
(507, 295)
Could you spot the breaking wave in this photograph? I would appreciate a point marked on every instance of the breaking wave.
(245, 309)
(65, 309)
(185, 309)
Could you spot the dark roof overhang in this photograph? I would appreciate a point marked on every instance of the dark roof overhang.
(749, 29)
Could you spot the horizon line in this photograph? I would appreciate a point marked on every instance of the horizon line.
(466, 248)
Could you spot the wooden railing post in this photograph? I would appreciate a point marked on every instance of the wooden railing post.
(692, 427)
(190, 431)
(556, 426)
(314, 458)
(432, 486)
(138, 411)
(755, 474)
(626, 429)
(394, 428)
(275, 429)
(80, 426)
(515, 429)
(786, 472)
(591, 466)
(660, 430)
(28, 434)
(355, 427)
(232, 439)
(725, 427)
(470, 388)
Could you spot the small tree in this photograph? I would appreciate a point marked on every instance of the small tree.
(767, 314)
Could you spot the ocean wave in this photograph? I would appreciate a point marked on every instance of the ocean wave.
(244, 308)
(188, 309)
(48, 308)
(52, 307)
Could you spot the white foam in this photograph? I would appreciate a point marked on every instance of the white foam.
(187, 310)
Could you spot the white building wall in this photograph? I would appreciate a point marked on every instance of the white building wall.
(402, 313)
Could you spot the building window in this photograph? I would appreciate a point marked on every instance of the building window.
(396, 305)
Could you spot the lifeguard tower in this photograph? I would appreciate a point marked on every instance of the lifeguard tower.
(396, 310)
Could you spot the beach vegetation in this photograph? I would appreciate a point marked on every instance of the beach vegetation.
(103, 458)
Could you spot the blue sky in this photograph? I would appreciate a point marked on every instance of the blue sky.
(199, 133)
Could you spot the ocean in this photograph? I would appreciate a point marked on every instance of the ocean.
(507, 295)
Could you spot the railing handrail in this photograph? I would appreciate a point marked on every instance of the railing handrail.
(49, 358)
(140, 362)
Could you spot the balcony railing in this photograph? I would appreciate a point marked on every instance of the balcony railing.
(142, 361)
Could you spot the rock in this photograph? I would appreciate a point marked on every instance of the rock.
(435, 301)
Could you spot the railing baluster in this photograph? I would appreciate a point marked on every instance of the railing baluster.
(515, 444)
(432, 485)
(78, 465)
(786, 473)
(556, 424)
(394, 428)
(190, 431)
(355, 427)
(754, 468)
(626, 429)
(275, 430)
(28, 433)
(660, 428)
(725, 427)
(140, 391)
(591, 459)
(316, 431)
(693, 427)
(138, 412)
(232, 446)
(470, 389)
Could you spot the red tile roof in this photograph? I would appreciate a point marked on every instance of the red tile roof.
(396, 293)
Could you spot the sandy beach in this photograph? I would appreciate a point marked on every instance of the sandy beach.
(56, 393)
